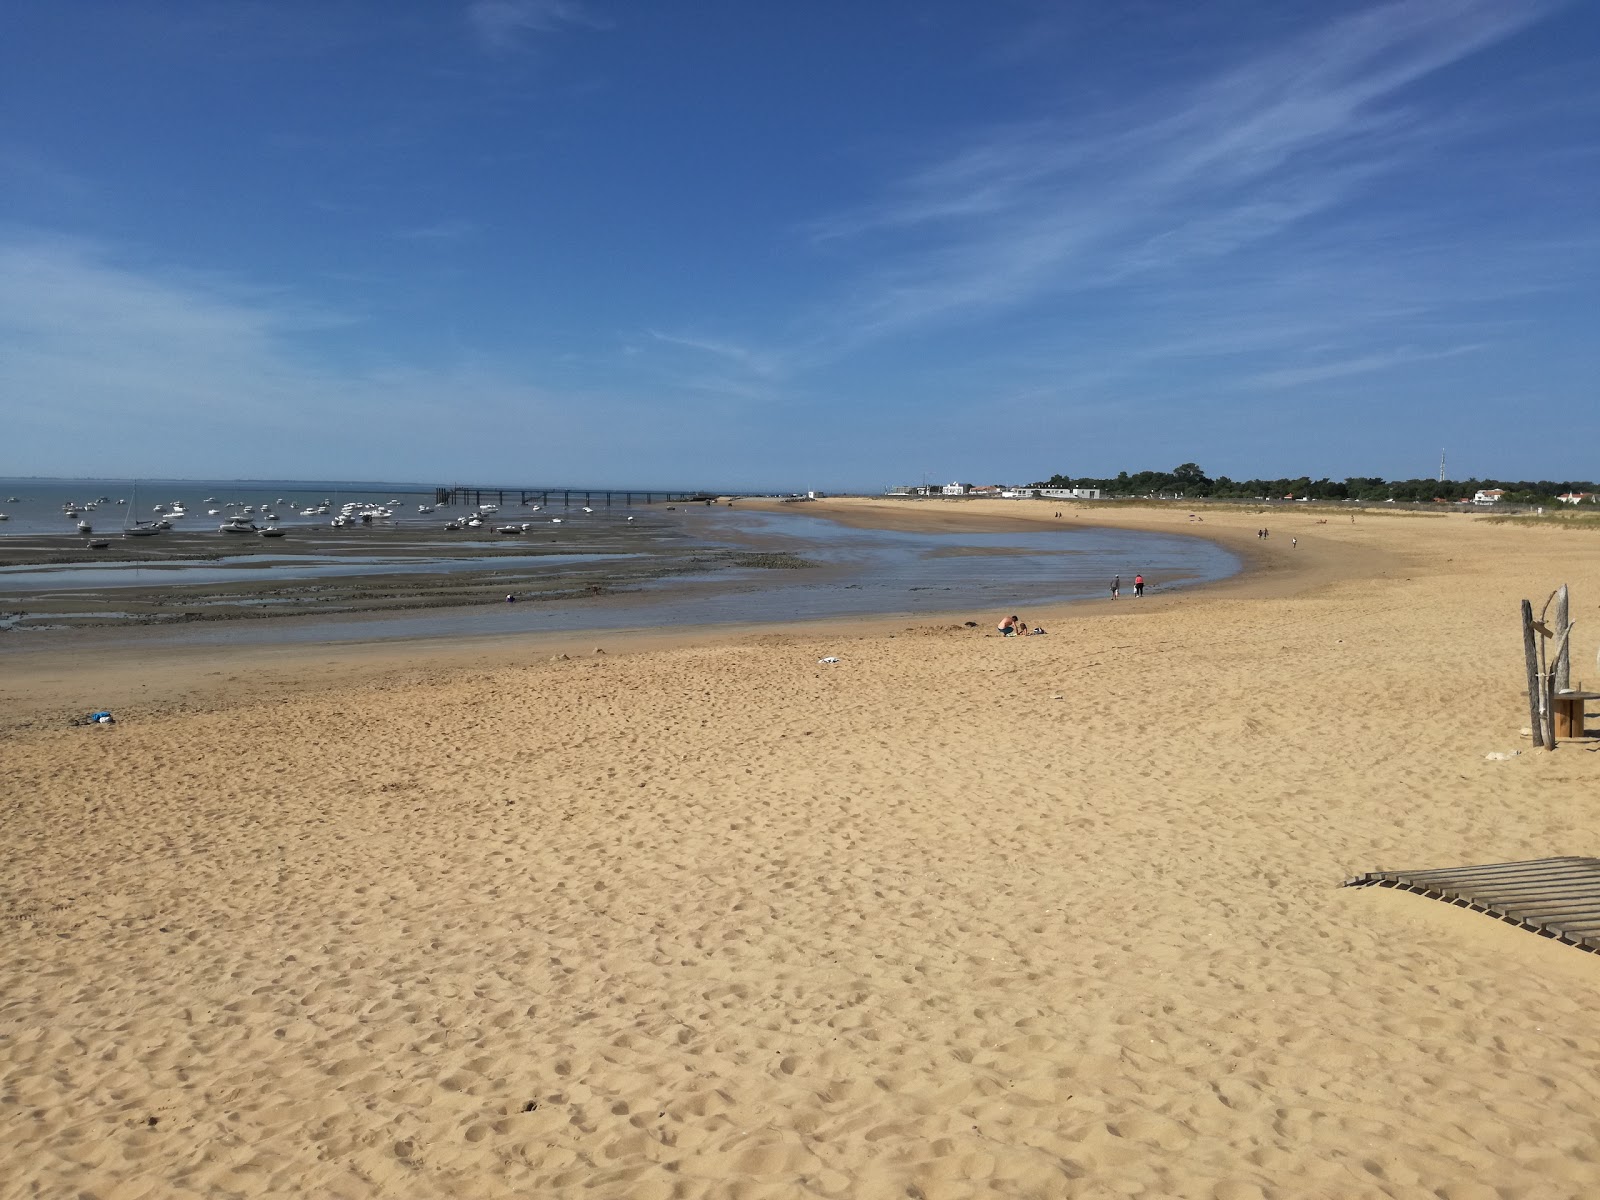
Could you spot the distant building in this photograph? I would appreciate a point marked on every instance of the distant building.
(1576, 497)
(1070, 493)
(1488, 496)
(954, 489)
(900, 489)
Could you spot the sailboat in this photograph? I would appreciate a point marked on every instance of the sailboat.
(138, 528)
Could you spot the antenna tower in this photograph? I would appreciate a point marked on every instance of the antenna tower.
(1441, 466)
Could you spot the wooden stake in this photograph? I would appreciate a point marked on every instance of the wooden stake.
(1535, 692)
(1563, 665)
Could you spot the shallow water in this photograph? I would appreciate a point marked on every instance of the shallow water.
(859, 572)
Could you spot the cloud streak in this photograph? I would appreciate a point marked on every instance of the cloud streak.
(1196, 176)
(502, 25)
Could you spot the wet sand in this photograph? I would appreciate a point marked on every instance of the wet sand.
(701, 916)
(342, 571)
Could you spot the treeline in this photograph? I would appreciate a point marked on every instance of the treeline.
(1189, 480)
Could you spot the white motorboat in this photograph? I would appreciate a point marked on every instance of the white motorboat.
(3, 517)
(510, 529)
(424, 508)
(85, 527)
(238, 525)
(273, 531)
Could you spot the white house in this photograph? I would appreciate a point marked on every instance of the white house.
(1576, 497)
(953, 489)
(1070, 493)
(1488, 496)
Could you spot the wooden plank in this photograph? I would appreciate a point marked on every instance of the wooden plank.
(1551, 908)
(1469, 878)
(1490, 868)
(1530, 909)
(1509, 875)
(1534, 889)
(1576, 886)
(1554, 897)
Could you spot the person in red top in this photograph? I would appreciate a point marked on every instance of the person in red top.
(1138, 585)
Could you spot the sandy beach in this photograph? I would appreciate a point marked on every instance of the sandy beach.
(696, 915)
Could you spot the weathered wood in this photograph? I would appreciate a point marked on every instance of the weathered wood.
(1555, 897)
(1563, 665)
(1569, 717)
(1531, 654)
(1530, 867)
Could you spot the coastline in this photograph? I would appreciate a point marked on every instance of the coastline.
(703, 915)
(50, 682)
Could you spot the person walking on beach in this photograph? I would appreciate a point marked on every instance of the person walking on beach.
(1138, 585)
(1116, 586)
(1294, 543)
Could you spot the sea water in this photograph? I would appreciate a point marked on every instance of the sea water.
(855, 572)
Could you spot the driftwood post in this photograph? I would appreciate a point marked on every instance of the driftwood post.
(1562, 668)
(1535, 691)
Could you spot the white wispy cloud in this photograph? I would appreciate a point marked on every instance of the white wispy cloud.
(503, 24)
(762, 364)
(439, 231)
(1359, 364)
(1189, 177)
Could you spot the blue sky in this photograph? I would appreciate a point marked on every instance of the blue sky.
(837, 245)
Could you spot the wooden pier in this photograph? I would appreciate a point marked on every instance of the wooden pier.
(1554, 897)
(566, 497)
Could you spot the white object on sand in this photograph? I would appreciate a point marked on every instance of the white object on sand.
(829, 659)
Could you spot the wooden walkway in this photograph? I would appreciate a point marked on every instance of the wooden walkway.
(1554, 897)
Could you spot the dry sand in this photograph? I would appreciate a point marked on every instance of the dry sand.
(955, 917)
